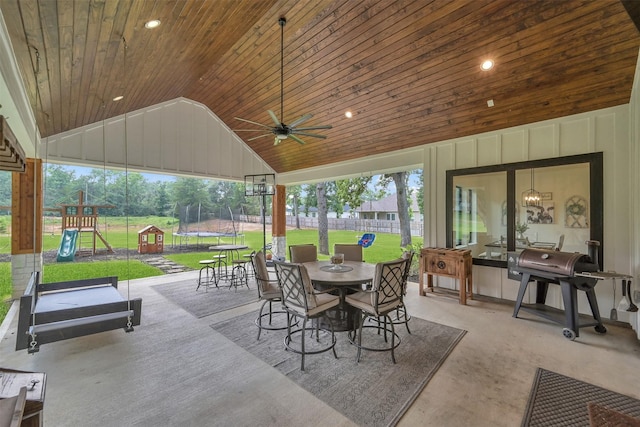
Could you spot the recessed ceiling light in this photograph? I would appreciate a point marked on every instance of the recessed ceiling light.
(118, 98)
(487, 65)
(348, 114)
(152, 24)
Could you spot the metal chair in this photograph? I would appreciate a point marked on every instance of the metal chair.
(300, 300)
(352, 252)
(268, 292)
(303, 253)
(400, 314)
(384, 297)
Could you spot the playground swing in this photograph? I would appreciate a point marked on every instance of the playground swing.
(97, 306)
(367, 240)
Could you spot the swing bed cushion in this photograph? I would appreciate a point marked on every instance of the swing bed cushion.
(63, 310)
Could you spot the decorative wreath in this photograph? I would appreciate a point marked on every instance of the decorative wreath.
(576, 209)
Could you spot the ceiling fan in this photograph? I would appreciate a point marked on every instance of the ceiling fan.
(281, 130)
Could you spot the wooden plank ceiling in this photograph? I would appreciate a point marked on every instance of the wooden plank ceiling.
(409, 70)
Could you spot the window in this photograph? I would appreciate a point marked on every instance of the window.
(391, 217)
(488, 213)
(473, 211)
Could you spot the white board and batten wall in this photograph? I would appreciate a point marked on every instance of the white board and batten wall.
(177, 137)
(606, 130)
(598, 131)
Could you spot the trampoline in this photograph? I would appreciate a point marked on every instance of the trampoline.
(200, 237)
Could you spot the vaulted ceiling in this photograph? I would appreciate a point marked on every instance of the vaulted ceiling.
(409, 70)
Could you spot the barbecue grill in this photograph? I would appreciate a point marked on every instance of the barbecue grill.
(567, 269)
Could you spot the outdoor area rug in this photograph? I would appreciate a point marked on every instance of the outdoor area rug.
(201, 303)
(557, 400)
(374, 392)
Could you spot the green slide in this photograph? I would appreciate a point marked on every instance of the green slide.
(67, 249)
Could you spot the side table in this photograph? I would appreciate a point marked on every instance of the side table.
(455, 263)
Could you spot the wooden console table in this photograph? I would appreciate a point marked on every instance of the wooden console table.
(455, 263)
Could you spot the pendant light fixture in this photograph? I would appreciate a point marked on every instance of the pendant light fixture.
(531, 197)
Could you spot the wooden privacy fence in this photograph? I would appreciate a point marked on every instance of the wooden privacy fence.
(348, 224)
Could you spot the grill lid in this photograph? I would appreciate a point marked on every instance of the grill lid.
(561, 263)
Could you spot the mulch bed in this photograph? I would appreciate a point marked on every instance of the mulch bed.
(50, 257)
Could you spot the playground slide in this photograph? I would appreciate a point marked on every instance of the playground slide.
(67, 249)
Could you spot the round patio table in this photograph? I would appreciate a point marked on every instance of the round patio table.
(348, 279)
(231, 252)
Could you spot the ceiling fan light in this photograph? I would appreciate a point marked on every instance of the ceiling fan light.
(281, 136)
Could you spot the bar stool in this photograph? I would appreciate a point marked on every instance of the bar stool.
(239, 274)
(208, 265)
(251, 271)
(219, 260)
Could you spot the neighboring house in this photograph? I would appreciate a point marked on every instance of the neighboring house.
(386, 209)
(313, 212)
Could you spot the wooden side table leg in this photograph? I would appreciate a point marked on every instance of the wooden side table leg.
(421, 271)
(470, 279)
(429, 282)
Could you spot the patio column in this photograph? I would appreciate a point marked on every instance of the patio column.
(26, 224)
(279, 224)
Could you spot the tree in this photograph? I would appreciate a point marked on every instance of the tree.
(420, 191)
(311, 198)
(323, 221)
(403, 200)
(5, 190)
(192, 193)
(60, 186)
(403, 196)
(161, 201)
(351, 191)
(294, 192)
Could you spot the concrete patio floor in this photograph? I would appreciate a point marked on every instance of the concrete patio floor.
(175, 370)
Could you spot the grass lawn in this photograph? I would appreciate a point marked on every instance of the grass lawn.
(385, 247)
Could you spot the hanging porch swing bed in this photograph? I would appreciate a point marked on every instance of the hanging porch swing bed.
(52, 312)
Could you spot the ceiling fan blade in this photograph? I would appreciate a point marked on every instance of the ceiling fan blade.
(307, 134)
(274, 118)
(260, 136)
(253, 123)
(296, 139)
(314, 127)
(248, 130)
(300, 120)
